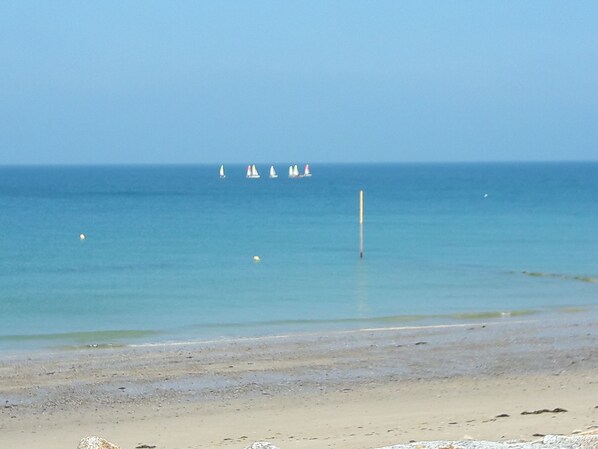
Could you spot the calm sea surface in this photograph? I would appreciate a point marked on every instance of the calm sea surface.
(169, 249)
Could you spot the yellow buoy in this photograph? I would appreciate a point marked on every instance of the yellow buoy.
(257, 258)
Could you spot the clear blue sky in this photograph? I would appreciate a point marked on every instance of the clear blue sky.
(315, 81)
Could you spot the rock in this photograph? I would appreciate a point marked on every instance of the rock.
(95, 443)
(572, 442)
(261, 445)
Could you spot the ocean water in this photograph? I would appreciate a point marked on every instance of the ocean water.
(169, 250)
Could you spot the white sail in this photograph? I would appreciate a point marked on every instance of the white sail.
(222, 175)
(306, 172)
(248, 175)
(254, 172)
(295, 171)
(273, 172)
(290, 171)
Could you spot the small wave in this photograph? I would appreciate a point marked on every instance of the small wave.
(574, 309)
(492, 314)
(98, 346)
(86, 338)
(363, 321)
(567, 277)
(315, 322)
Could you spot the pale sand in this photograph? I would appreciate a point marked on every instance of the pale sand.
(348, 390)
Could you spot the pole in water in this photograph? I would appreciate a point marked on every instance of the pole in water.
(361, 224)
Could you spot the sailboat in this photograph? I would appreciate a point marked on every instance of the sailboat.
(252, 172)
(293, 171)
(306, 172)
(222, 175)
(273, 172)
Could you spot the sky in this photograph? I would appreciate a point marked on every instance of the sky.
(154, 82)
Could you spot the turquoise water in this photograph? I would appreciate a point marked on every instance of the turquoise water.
(169, 249)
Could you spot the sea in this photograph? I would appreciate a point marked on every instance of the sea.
(175, 254)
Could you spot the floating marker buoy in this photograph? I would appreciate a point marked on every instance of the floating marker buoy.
(257, 258)
(485, 195)
(82, 236)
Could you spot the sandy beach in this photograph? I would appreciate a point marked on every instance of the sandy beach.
(354, 389)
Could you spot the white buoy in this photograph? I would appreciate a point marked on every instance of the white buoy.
(485, 195)
(257, 259)
(82, 236)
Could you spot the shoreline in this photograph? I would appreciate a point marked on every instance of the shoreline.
(130, 338)
(351, 387)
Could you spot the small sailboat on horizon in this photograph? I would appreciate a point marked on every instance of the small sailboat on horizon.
(222, 174)
(252, 172)
(293, 171)
(306, 171)
(273, 173)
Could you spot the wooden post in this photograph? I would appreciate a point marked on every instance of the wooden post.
(361, 224)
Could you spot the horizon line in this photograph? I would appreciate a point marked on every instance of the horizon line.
(180, 164)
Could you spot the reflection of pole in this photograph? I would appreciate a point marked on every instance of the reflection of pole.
(361, 224)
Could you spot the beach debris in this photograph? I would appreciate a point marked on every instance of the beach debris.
(145, 446)
(421, 343)
(261, 445)
(502, 415)
(95, 443)
(545, 410)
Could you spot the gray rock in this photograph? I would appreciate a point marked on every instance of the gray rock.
(261, 445)
(95, 443)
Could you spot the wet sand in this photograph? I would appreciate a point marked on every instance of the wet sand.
(356, 389)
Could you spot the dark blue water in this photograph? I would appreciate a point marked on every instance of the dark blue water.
(169, 249)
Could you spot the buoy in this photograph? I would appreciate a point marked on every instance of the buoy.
(257, 258)
(82, 236)
(485, 195)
